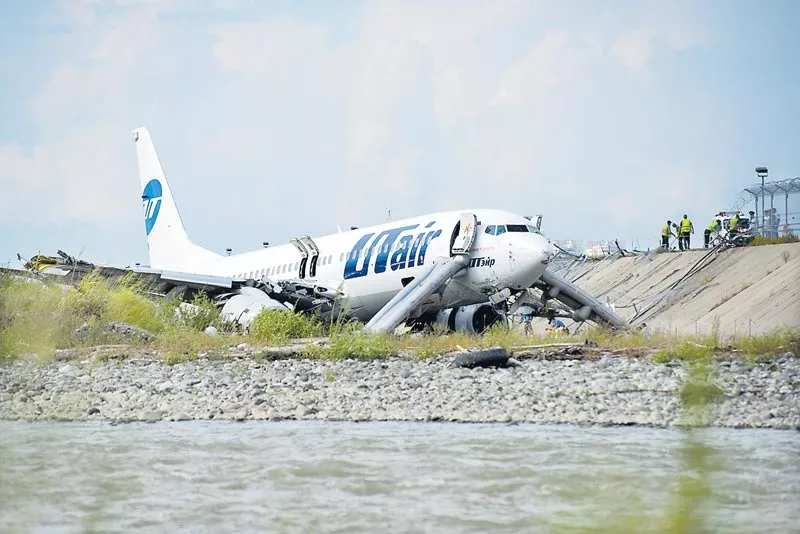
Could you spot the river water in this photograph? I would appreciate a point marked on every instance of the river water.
(393, 477)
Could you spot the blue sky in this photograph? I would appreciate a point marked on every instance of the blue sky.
(278, 118)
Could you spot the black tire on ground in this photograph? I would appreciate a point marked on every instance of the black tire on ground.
(497, 357)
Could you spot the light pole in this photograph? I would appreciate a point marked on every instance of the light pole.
(761, 172)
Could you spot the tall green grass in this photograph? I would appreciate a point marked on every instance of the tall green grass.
(789, 237)
(38, 317)
(278, 326)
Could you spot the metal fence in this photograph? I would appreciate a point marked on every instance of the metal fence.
(773, 221)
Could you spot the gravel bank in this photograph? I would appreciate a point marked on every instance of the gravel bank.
(607, 390)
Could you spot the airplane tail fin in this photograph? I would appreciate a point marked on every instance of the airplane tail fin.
(168, 245)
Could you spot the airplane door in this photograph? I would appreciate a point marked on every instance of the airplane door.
(303, 253)
(313, 255)
(466, 234)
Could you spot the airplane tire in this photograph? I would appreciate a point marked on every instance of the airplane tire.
(495, 357)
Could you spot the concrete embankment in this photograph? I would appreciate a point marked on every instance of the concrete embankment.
(749, 290)
(603, 389)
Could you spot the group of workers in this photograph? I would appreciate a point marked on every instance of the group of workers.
(683, 232)
(684, 229)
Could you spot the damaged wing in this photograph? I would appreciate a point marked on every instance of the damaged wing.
(240, 299)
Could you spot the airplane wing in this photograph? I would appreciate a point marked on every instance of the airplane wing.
(304, 295)
(72, 270)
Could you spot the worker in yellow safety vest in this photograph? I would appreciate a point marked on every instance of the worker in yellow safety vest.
(715, 224)
(734, 222)
(665, 233)
(686, 229)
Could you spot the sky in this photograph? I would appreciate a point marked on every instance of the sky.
(280, 118)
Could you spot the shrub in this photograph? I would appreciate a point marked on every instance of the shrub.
(687, 351)
(361, 345)
(279, 326)
(779, 340)
(37, 317)
(196, 315)
(789, 237)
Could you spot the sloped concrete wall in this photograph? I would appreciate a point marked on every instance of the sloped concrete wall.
(751, 290)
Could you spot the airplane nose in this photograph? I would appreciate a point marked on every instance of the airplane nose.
(533, 259)
(543, 250)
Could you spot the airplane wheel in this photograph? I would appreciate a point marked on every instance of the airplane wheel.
(497, 357)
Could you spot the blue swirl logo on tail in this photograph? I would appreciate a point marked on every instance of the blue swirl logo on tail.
(151, 201)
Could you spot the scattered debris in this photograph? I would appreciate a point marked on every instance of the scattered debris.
(493, 357)
(128, 331)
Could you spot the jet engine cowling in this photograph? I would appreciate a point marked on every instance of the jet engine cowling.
(246, 304)
(473, 319)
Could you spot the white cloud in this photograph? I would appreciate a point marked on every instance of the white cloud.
(462, 100)
(77, 178)
(266, 47)
(558, 61)
(81, 165)
(634, 48)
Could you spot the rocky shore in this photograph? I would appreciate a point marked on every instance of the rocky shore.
(601, 389)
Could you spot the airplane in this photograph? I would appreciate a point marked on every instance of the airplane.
(460, 269)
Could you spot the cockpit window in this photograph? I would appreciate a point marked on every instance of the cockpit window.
(500, 229)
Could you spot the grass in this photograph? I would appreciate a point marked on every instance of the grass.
(789, 237)
(38, 318)
(686, 351)
(280, 327)
(780, 340)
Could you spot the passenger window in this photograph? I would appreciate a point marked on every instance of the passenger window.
(490, 229)
(341, 257)
(501, 229)
(330, 259)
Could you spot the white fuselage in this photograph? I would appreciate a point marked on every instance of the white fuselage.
(369, 265)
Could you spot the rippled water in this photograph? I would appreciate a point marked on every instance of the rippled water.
(389, 477)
